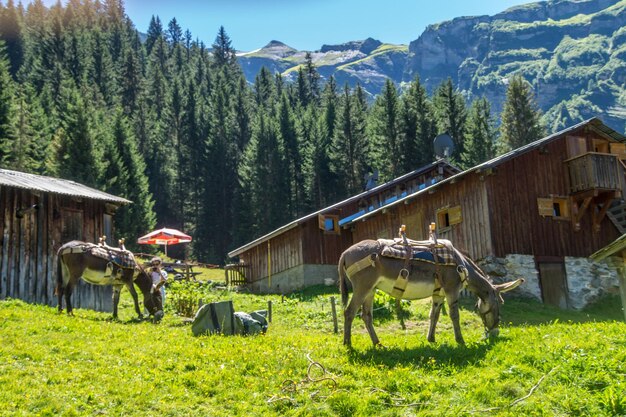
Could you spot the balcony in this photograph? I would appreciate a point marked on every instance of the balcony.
(594, 172)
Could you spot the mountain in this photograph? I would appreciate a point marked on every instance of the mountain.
(573, 52)
(369, 62)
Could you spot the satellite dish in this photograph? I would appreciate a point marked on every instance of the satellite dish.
(444, 145)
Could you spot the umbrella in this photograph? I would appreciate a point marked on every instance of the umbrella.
(165, 237)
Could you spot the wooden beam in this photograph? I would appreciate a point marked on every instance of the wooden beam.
(578, 212)
(598, 216)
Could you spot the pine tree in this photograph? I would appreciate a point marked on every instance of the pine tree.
(312, 76)
(417, 128)
(135, 219)
(451, 114)
(289, 138)
(350, 142)
(155, 31)
(481, 134)
(383, 127)
(11, 34)
(521, 120)
(223, 51)
(79, 156)
(7, 110)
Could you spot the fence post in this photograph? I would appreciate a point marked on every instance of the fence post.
(269, 311)
(334, 310)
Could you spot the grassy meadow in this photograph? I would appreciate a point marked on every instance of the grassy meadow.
(545, 362)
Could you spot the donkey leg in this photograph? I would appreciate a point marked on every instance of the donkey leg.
(117, 289)
(353, 306)
(68, 299)
(435, 310)
(59, 293)
(368, 307)
(453, 305)
(133, 293)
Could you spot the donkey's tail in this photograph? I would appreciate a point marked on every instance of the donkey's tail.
(343, 284)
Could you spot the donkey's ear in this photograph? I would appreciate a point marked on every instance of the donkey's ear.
(508, 286)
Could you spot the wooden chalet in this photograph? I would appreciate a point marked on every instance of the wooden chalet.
(305, 252)
(551, 202)
(39, 214)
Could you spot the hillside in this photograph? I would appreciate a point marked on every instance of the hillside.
(572, 51)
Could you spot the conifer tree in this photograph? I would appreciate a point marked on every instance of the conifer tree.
(7, 110)
(135, 219)
(521, 120)
(312, 76)
(223, 50)
(155, 31)
(79, 155)
(293, 158)
(481, 134)
(350, 142)
(11, 34)
(383, 129)
(451, 114)
(417, 128)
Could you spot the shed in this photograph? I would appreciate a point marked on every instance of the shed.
(538, 212)
(39, 214)
(305, 252)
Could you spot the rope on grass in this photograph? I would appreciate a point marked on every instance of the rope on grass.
(519, 400)
(291, 386)
(397, 401)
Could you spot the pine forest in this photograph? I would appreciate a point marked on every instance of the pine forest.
(171, 123)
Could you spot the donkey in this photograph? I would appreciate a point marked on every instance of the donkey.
(103, 265)
(414, 276)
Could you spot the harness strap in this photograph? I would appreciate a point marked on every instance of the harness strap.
(403, 276)
(360, 265)
(462, 271)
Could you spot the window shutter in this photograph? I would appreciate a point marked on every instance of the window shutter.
(454, 215)
(545, 206)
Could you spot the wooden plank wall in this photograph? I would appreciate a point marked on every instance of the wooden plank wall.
(29, 245)
(285, 253)
(516, 224)
(323, 248)
(471, 236)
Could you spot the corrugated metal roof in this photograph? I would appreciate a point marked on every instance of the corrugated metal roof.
(357, 197)
(42, 183)
(595, 123)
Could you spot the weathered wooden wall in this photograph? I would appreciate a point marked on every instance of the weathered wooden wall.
(285, 252)
(517, 226)
(28, 261)
(471, 235)
(500, 211)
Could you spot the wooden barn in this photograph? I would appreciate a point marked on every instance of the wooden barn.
(39, 214)
(305, 252)
(539, 212)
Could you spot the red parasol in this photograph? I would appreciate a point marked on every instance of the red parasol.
(165, 237)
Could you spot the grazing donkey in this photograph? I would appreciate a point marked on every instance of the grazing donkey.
(104, 265)
(413, 270)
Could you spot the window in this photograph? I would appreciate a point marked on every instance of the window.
(72, 225)
(329, 223)
(448, 217)
(555, 207)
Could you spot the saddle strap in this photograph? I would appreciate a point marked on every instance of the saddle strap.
(360, 265)
(403, 277)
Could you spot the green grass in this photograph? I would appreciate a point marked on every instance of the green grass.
(545, 362)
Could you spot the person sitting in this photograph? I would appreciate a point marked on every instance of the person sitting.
(159, 278)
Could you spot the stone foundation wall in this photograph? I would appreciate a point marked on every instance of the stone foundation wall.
(587, 281)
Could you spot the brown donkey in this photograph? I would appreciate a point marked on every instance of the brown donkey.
(103, 265)
(414, 271)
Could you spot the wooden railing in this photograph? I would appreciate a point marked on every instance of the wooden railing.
(236, 274)
(594, 171)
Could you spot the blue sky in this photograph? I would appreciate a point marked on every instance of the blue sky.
(307, 24)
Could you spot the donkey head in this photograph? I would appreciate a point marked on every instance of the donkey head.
(152, 300)
(488, 305)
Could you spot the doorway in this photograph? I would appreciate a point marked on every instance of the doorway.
(553, 283)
